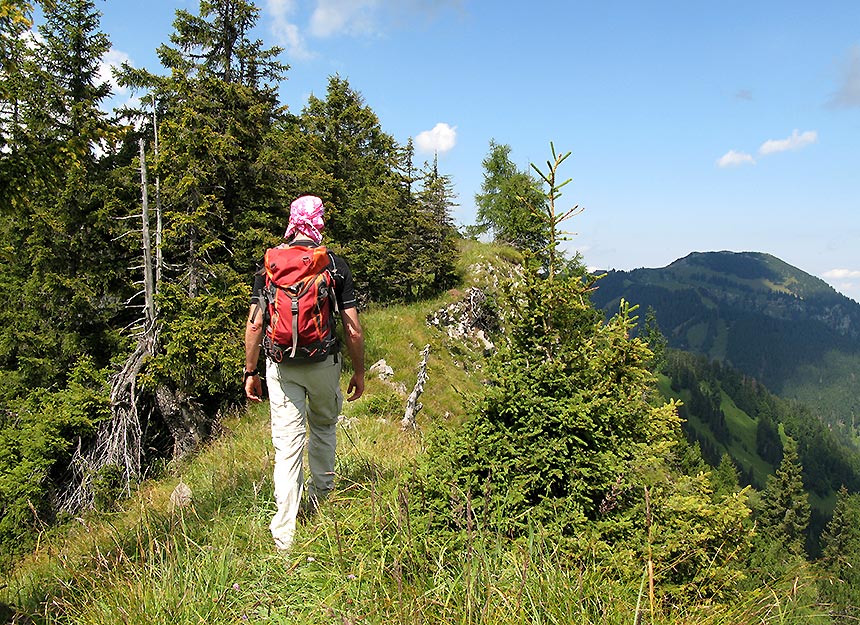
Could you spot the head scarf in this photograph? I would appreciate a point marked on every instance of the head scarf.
(306, 217)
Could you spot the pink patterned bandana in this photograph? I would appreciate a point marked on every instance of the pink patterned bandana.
(306, 217)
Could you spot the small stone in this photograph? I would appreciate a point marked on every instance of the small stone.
(181, 496)
(381, 369)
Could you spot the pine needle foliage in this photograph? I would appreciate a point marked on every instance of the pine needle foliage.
(840, 585)
(566, 403)
(367, 556)
(567, 441)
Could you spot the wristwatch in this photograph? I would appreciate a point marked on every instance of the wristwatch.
(249, 374)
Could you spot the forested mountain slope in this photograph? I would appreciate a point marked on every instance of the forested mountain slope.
(547, 478)
(788, 329)
(730, 415)
(380, 550)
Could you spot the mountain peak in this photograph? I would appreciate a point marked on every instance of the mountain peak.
(754, 311)
(757, 271)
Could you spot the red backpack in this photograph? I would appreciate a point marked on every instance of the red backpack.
(300, 303)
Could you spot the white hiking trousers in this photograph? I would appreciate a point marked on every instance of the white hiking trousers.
(305, 402)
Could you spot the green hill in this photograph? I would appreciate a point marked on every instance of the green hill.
(727, 413)
(367, 557)
(149, 562)
(760, 315)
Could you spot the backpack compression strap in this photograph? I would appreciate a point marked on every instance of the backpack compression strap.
(295, 292)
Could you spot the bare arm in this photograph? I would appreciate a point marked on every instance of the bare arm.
(253, 339)
(355, 347)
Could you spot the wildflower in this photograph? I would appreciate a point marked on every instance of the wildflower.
(311, 559)
(350, 577)
(236, 586)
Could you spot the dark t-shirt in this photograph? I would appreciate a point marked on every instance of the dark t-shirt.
(343, 286)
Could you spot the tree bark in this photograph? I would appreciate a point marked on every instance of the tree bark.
(148, 282)
(413, 406)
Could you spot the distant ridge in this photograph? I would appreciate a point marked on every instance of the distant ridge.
(766, 318)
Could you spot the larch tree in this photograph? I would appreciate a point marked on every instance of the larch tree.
(508, 202)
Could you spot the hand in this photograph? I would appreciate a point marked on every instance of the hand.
(355, 388)
(253, 388)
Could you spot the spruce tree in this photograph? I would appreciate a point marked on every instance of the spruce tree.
(434, 237)
(784, 516)
(68, 265)
(840, 543)
(564, 411)
(398, 241)
(220, 179)
(568, 441)
(511, 203)
(60, 276)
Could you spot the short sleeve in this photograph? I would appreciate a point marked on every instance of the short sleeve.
(344, 286)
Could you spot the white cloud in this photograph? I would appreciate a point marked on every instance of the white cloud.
(842, 274)
(113, 58)
(330, 18)
(846, 281)
(333, 17)
(439, 140)
(733, 158)
(848, 95)
(796, 141)
(287, 33)
(373, 17)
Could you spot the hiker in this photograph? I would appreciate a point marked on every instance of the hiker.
(302, 379)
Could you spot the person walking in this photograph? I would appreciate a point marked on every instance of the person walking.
(304, 392)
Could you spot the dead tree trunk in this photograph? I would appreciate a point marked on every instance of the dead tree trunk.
(159, 258)
(119, 440)
(186, 422)
(413, 406)
(148, 281)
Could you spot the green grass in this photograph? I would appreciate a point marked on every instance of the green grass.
(363, 558)
(697, 334)
(360, 560)
(742, 429)
(743, 443)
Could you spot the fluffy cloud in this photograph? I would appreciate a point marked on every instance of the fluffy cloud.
(842, 274)
(733, 158)
(112, 58)
(846, 281)
(287, 33)
(796, 141)
(332, 17)
(439, 140)
(848, 94)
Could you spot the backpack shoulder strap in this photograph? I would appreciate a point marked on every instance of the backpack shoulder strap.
(332, 269)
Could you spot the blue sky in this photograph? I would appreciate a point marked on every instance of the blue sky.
(693, 126)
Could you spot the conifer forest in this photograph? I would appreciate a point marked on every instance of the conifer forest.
(128, 243)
